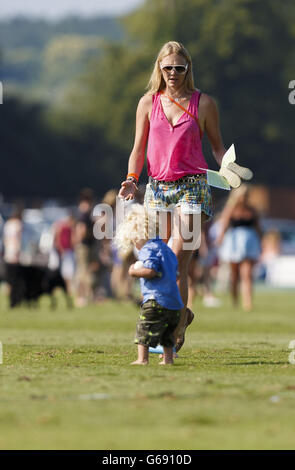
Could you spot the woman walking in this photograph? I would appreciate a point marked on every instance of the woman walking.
(239, 242)
(171, 119)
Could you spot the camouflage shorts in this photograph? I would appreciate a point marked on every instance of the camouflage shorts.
(156, 325)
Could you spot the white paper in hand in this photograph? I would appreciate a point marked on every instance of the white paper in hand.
(214, 178)
(229, 156)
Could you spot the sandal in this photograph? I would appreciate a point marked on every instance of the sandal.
(231, 171)
(242, 171)
(232, 178)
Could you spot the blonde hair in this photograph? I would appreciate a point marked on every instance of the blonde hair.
(110, 197)
(156, 82)
(138, 224)
(237, 194)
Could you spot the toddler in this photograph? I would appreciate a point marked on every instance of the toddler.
(161, 304)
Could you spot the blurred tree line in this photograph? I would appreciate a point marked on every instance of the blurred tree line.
(243, 55)
(39, 55)
(36, 162)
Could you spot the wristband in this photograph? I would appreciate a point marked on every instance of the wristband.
(134, 175)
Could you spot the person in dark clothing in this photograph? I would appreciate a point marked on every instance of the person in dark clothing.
(84, 239)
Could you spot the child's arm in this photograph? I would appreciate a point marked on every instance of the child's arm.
(148, 273)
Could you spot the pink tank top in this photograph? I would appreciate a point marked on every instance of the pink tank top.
(174, 151)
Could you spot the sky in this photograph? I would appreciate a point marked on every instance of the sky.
(58, 8)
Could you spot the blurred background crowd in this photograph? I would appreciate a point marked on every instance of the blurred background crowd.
(71, 84)
(60, 239)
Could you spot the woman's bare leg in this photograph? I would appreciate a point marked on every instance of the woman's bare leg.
(164, 219)
(235, 282)
(183, 253)
(192, 281)
(246, 269)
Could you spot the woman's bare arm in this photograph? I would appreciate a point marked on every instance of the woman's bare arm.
(224, 221)
(136, 159)
(257, 225)
(209, 116)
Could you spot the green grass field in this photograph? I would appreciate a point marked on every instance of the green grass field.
(67, 382)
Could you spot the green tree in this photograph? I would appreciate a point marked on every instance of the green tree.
(39, 163)
(241, 52)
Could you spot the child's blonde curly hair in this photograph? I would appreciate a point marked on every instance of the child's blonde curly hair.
(138, 224)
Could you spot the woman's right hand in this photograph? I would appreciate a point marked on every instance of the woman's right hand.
(136, 159)
(127, 191)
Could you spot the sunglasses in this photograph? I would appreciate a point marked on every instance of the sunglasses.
(177, 68)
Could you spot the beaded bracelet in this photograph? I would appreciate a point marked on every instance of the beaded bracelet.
(134, 181)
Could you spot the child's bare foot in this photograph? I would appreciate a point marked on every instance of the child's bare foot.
(142, 356)
(139, 363)
(163, 363)
(168, 356)
(175, 355)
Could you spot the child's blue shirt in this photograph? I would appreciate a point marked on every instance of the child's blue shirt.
(155, 254)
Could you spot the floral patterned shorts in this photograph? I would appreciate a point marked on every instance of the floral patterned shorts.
(192, 193)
